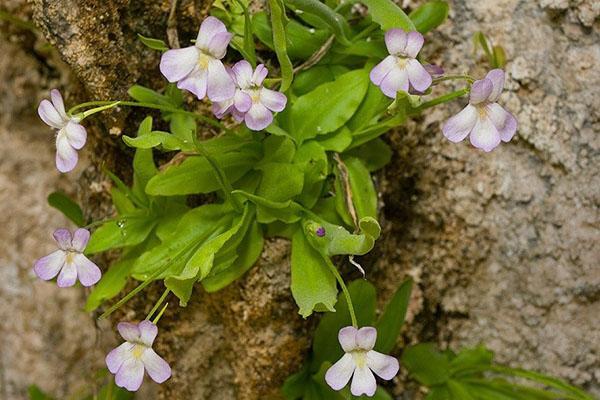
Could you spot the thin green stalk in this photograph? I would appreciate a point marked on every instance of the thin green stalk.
(158, 303)
(467, 78)
(160, 314)
(440, 100)
(340, 280)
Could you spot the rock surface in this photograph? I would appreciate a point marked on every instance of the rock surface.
(503, 246)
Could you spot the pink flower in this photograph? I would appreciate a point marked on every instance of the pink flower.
(251, 103)
(129, 361)
(359, 362)
(71, 134)
(401, 70)
(199, 68)
(483, 119)
(68, 262)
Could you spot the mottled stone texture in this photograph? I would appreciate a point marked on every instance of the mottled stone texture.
(503, 246)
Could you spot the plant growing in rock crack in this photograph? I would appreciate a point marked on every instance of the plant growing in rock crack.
(294, 157)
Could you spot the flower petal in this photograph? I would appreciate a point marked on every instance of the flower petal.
(414, 43)
(130, 375)
(63, 238)
(418, 76)
(347, 338)
(196, 82)
(434, 70)
(496, 76)
(222, 108)
(76, 134)
(58, 103)
(259, 75)
(48, 267)
(484, 135)
(505, 122)
(237, 115)
(176, 64)
(395, 41)
(379, 72)
(220, 85)
(218, 45)
(273, 100)
(148, 332)
(118, 356)
(480, 91)
(242, 70)
(366, 337)
(386, 367)
(258, 117)
(67, 276)
(242, 101)
(458, 127)
(87, 272)
(66, 155)
(129, 331)
(80, 239)
(394, 81)
(209, 28)
(339, 374)
(363, 382)
(50, 115)
(158, 369)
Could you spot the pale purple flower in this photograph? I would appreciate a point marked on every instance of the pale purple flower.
(71, 134)
(484, 119)
(199, 68)
(68, 262)
(360, 361)
(129, 361)
(401, 70)
(251, 103)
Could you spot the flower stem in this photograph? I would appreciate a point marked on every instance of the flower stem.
(467, 78)
(155, 320)
(158, 303)
(440, 100)
(340, 280)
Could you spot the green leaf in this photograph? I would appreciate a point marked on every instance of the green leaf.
(337, 141)
(338, 240)
(280, 181)
(279, 43)
(313, 284)
(426, 364)
(469, 358)
(430, 15)
(374, 154)
(389, 15)
(126, 230)
(146, 95)
(312, 159)
(269, 211)
(166, 140)
(439, 393)
(335, 21)
(68, 207)
(364, 196)
(499, 57)
(112, 282)
(143, 164)
(154, 44)
(249, 50)
(391, 321)
(337, 100)
(295, 385)
(374, 104)
(458, 390)
(35, 393)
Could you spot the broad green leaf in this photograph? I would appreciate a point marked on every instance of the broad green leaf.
(280, 181)
(338, 240)
(68, 207)
(249, 50)
(313, 284)
(280, 43)
(183, 126)
(112, 282)
(337, 141)
(364, 196)
(337, 100)
(311, 78)
(126, 230)
(269, 211)
(388, 15)
(374, 154)
(122, 202)
(469, 358)
(426, 364)
(335, 21)
(311, 157)
(430, 15)
(374, 104)
(391, 321)
(277, 149)
(35, 393)
(154, 44)
(166, 140)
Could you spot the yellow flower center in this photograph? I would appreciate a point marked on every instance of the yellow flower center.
(401, 62)
(203, 61)
(360, 358)
(70, 257)
(138, 351)
(482, 110)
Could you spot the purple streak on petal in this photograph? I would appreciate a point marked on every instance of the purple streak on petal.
(434, 70)
(220, 85)
(66, 155)
(418, 76)
(176, 64)
(395, 41)
(379, 72)
(130, 375)
(484, 135)
(347, 338)
(242, 70)
(67, 276)
(414, 43)
(210, 27)
(273, 100)
(218, 44)
(57, 102)
(48, 267)
(81, 237)
(129, 331)
(76, 134)
(363, 382)
(118, 356)
(87, 272)
(258, 117)
(63, 238)
(496, 76)
(395, 80)
(242, 101)
(259, 75)
(366, 337)
(158, 369)
(339, 374)
(222, 108)
(480, 91)
(49, 115)
(459, 126)
(386, 367)
(148, 332)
